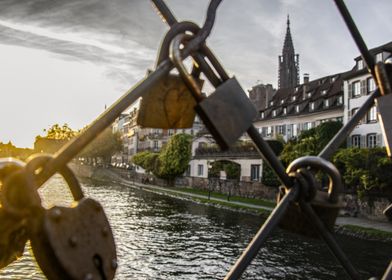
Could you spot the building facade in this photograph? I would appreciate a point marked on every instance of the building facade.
(357, 87)
(292, 110)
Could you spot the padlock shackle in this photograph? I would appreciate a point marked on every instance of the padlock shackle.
(335, 180)
(176, 58)
(37, 162)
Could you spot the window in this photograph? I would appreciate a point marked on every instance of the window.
(188, 171)
(284, 110)
(255, 172)
(333, 79)
(372, 115)
(311, 106)
(294, 98)
(297, 108)
(274, 113)
(281, 129)
(326, 103)
(309, 94)
(200, 169)
(360, 64)
(262, 115)
(269, 131)
(371, 140)
(155, 145)
(171, 132)
(379, 57)
(281, 101)
(339, 101)
(356, 141)
(371, 85)
(272, 103)
(307, 125)
(356, 89)
(295, 130)
(324, 92)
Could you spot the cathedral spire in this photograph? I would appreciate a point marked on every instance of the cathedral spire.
(288, 62)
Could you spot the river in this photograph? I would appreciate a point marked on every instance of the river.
(162, 237)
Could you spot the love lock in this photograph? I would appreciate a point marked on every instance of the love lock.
(75, 242)
(13, 228)
(384, 103)
(169, 104)
(227, 112)
(325, 204)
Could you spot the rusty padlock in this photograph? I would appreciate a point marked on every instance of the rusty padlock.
(72, 242)
(169, 104)
(325, 204)
(227, 112)
(384, 103)
(13, 228)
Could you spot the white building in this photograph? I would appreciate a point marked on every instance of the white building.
(357, 87)
(292, 110)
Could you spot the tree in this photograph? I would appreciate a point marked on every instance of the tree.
(365, 170)
(147, 160)
(56, 137)
(103, 146)
(174, 157)
(310, 142)
(269, 177)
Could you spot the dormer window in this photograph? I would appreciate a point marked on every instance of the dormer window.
(274, 113)
(360, 64)
(311, 106)
(281, 101)
(297, 108)
(333, 79)
(272, 103)
(262, 115)
(326, 103)
(294, 98)
(309, 94)
(340, 100)
(324, 92)
(297, 88)
(284, 110)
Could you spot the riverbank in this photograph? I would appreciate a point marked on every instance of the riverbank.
(356, 227)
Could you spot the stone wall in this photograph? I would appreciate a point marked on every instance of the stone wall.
(368, 207)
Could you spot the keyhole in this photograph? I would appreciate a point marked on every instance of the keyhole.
(99, 265)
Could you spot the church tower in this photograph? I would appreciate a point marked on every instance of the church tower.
(288, 62)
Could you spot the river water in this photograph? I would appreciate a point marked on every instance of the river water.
(161, 237)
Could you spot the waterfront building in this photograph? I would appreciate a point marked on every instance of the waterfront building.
(292, 110)
(357, 87)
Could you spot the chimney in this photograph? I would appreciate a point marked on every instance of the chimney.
(306, 78)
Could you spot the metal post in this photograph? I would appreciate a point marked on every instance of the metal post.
(269, 225)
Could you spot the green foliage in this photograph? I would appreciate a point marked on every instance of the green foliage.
(104, 146)
(310, 142)
(269, 177)
(364, 169)
(174, 157)
(147, 160)
(232, 169)
(58, 132)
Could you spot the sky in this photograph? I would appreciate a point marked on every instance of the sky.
(64, 61)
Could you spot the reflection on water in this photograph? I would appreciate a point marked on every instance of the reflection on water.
(161, 237)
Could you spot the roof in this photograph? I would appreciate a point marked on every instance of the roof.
(328, 87)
